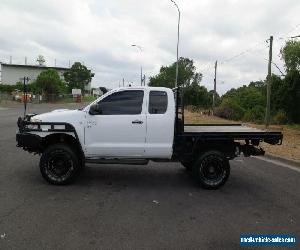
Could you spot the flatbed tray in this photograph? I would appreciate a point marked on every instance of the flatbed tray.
(231, 132)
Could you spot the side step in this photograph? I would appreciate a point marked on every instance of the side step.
(117, 161)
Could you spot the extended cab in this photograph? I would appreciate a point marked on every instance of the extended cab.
(132, 126)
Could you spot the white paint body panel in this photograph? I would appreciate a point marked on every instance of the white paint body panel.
(115, 136)
(73, 117)
(160, 130)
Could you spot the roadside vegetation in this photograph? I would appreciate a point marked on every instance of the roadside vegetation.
(247, 103)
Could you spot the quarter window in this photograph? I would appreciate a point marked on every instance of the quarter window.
(122, 103)
(158, 102)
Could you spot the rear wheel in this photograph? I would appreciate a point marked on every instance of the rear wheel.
(211, 170)
(59, 164)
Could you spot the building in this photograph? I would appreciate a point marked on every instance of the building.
(13, 73)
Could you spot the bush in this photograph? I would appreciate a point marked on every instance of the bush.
(192, 108)
(7, 88)
(229, 110)
(10, 88)
(255, 114)
(280, 117)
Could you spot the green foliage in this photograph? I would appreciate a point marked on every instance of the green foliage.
(291, 55)
(255, 114)
(78, 76)
(186, 74)
(229, 109)
(89, 98)
(189, 79)
(7, 88)
(280, 117)
(245, 103)
(294, 126)
(291, 96)
(198, 96)
(286, 91)
(19, 86)
(247, 96)
(49, 83)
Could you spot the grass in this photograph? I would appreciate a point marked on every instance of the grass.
(70, 99)
(89, 98)
(294, 126)
(290, 147)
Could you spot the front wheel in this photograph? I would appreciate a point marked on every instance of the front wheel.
(211, 170)
(59, 164)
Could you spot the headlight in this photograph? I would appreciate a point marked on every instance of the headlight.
(33, 119)
(32, 126)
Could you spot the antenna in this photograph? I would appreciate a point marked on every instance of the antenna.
(41, 60)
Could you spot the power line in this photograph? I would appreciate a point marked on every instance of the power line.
(242, 52)
(284, 36)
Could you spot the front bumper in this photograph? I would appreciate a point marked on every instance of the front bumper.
(29, 142)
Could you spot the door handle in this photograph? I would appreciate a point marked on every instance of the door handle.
(137, 122)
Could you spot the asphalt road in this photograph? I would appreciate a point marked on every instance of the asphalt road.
(138, 207)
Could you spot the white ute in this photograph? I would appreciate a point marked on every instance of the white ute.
(132, 126)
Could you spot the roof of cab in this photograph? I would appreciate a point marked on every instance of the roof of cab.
(143, 88)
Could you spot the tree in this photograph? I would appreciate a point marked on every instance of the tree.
(49, 83)
(198, 96)
(186, 74)
(290, 93)
(194, 94)
(246, 103)
(78, 76)
(290, 53)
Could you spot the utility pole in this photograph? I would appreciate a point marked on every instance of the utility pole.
(25, 96)
(140, 48)
(177, 48)
(215, 86)
(123, 82)
(141, 76)
(268, 107)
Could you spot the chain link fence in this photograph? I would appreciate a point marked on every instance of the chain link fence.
(5, 97)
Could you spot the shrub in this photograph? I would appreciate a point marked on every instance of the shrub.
(229, 110)
(255, 114)
(7, 88)
(280, 117)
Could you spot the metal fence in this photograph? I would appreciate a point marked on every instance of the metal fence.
(5, 97)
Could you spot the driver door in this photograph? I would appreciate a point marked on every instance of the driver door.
(119, 130)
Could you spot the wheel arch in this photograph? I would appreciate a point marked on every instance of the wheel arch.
(226, 147)
(70, 140)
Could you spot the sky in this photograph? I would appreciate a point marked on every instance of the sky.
(99, 33)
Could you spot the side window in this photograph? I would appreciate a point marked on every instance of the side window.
(158, 102)
(123, 103)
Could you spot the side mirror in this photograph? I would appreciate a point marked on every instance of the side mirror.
(95, 110)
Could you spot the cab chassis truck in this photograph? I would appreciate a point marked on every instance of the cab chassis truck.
(134, 125)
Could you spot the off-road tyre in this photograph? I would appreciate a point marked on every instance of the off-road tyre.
(211, 170)
(59, 164)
